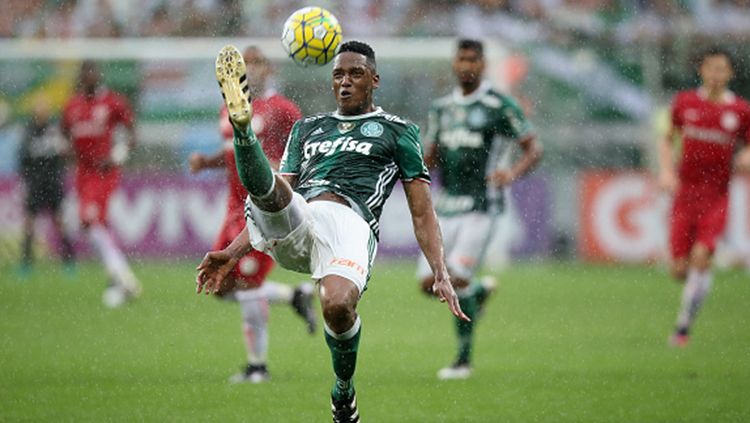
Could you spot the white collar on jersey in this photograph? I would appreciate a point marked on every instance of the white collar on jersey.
(268, 93)
(727, 98)
(378, 110)
(460, 98)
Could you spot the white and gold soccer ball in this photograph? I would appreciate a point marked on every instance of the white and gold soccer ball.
(311, 36)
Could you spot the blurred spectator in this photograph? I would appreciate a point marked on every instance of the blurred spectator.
(656, 22)
(62, 21)
(231, 18)
(723, 17)
(160, 24)
(482, 18)
(196, 20)
(101, 20)
(511, 20)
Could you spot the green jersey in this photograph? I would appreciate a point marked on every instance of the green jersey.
(471, 133)
(356, 157)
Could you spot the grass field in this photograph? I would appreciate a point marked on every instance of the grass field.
(560, 343)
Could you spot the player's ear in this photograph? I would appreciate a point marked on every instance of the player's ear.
(376, 81)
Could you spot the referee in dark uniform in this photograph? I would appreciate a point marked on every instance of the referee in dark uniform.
(41, 159)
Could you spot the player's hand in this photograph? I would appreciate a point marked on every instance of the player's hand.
(742, 163)
(106, 165)
(443, 289)
(213, 271)
(668, 181)
(501, 177)
(196, 161)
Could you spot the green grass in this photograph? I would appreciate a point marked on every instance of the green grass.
(560, 343)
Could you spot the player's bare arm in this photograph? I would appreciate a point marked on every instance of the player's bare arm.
(531, 155)
(198, 161)
(427, 232)
(431, 157)
(742, 162)
(216, 265)
(667, 174)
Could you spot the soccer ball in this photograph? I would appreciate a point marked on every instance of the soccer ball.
(311, 36)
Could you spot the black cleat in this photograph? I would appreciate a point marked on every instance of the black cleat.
(302, 305)
(251, 374)
(345, 411)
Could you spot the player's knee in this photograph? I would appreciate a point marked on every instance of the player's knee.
(338, 314)
(679, 274)
(679, 269)
(700, 257)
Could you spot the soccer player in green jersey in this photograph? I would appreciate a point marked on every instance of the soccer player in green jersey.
(468, 131)
(320, 214)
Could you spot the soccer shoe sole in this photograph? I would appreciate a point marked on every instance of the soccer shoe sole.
(231, 75)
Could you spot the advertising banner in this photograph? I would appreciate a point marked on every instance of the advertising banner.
(176, 215)
(624, 217)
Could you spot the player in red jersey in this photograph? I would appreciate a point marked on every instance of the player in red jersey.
(712, 123)
(89, 121)
(273, 118)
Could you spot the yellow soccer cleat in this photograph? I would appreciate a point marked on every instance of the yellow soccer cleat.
(231, 75)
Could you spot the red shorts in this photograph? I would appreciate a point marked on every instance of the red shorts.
(94, 189)
(697, 217)
(252, 268)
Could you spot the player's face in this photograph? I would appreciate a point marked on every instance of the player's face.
(353, 83)
(468, 66)
(89, 77)
(716, 72)
(258, 70)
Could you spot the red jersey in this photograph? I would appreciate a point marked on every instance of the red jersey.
(273, 118)
(91, 123)
(710, 131)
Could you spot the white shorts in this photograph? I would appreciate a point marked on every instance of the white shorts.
(321, 238)
(465, 240)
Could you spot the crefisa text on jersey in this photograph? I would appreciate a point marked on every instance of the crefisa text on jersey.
(328, 148)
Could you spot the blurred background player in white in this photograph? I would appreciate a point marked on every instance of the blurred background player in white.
(273, 118)
(41, 159)
(468, 131)
(711, 122)
(89, 121)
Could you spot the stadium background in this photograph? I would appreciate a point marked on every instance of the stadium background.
(595, 76)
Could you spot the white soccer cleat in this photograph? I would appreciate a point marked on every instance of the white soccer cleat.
(489, 283)
(114, 296)
(455, 372)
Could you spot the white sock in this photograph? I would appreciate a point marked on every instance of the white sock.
(114, 260)
(694, 293)
(255, 329)
(277, 292)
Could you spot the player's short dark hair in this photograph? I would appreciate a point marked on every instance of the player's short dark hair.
(470, 44)
(715, 51)
(361, 48)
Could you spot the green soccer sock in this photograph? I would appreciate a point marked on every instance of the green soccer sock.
(465, 330)
(252, 165)
(344, 357)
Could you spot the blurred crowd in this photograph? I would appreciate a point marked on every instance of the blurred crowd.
(621, 21)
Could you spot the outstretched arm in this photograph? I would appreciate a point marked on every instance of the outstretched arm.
(667, 175)
(198, 161)
(216, 265)
(427, 231)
